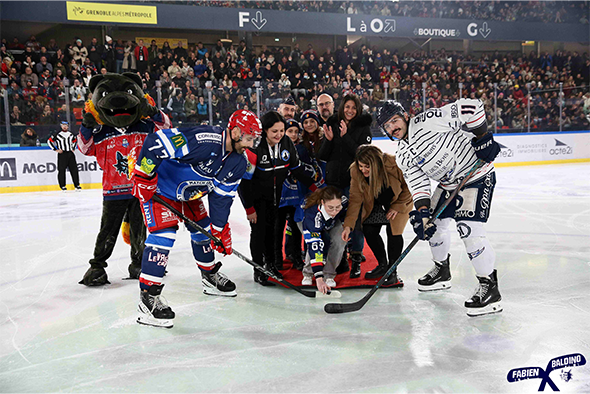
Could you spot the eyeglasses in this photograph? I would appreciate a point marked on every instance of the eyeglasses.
(327, 104)
(333, 208)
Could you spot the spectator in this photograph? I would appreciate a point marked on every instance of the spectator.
(120, 54)
(77, 94)
(176, 107)
(109, 55)
(47, 116)
(95, 53)
(29, 138)
(29, 76)
(190, 108)
(78, 52)
(180, 53)
(129, 59)
(202, 110)
(141, 57)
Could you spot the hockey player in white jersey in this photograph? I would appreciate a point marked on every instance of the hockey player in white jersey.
(443, 144)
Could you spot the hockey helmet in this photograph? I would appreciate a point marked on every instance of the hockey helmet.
(388, 110)
(248, 123)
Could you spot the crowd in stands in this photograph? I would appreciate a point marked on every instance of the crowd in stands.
(39, 74)
(505, 11)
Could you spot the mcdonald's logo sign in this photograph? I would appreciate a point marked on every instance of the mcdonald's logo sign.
(8, 169)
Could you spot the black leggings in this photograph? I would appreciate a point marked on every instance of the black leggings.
(395, 243)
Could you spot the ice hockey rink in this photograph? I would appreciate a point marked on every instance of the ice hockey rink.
(59, 336)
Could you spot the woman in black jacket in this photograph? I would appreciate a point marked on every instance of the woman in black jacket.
(274, 159)
(344, 132)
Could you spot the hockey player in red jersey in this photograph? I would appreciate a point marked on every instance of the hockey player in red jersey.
(443, 144)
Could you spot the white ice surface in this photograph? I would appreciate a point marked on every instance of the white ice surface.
(59, 336)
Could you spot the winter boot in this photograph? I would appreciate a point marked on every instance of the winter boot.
(261, 278)
(343, 266)
(355, 267)
(216, 283)
(438, 278)
(486, 299)
(153, 308)
(378, 272)
(270, 266)
(393, 281)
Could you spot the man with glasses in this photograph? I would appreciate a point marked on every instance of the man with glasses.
(325, 107)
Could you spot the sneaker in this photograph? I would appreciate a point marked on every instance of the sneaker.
(217, 284)
(78, 188)
(331, 282)
(355, 267)
(307, 281)
(438, 278)
(153, 308)
(64, 189)
(486, 299)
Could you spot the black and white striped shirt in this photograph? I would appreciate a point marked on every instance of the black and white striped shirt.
(63, 140)
(437, 148)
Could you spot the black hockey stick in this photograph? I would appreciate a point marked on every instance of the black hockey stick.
(355, 306)
(217, 241)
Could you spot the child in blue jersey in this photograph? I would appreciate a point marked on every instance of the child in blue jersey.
(322, 229)
(181, 166)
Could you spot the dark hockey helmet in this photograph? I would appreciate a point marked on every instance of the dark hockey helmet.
(388, 110)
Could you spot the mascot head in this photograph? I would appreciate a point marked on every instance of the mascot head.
(117, 100)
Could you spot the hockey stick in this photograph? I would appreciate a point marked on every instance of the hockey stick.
(355, 306)
(217, 241)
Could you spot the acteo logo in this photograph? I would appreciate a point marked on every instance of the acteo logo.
(561, 149)
(505, 151)
(8, 169)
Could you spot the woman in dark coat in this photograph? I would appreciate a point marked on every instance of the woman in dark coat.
(344, 132)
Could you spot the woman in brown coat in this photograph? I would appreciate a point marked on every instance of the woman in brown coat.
(377, 186)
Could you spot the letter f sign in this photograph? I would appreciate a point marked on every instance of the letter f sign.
(243, 18)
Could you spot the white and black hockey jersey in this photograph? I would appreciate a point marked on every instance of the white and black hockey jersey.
(438, 148)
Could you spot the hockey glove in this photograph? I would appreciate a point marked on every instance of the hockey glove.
(144, 188)
(486, 148)
(225, 237)
(419, 220)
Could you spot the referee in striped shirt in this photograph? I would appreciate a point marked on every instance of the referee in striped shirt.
(64, 144)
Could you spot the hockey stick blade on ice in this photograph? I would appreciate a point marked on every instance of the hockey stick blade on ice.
(355, 306)
(217, 241)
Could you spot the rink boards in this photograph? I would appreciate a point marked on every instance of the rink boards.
(35, 169)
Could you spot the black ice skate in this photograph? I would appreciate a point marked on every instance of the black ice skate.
(438, 278)
(153, 308)
(486, 299)
(217, 284)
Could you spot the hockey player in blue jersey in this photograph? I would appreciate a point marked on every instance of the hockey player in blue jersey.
(181, 166)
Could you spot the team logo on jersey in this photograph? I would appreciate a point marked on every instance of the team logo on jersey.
(125, 143)
(285, 155)
(178, 140)
(454, 111)
(121, 164)
(147, 165)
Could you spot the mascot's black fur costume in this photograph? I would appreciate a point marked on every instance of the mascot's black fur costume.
(118, 118)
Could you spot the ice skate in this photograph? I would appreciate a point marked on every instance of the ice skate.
(153, 308)
(486, 299)
(217, 284)
(438, 278)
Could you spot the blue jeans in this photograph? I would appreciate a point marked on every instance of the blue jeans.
(357, 239)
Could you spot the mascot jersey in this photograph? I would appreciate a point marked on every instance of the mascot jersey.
(191, 163)
(111, 147)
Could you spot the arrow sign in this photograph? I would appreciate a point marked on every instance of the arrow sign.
(485, 30)
(259, 22)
